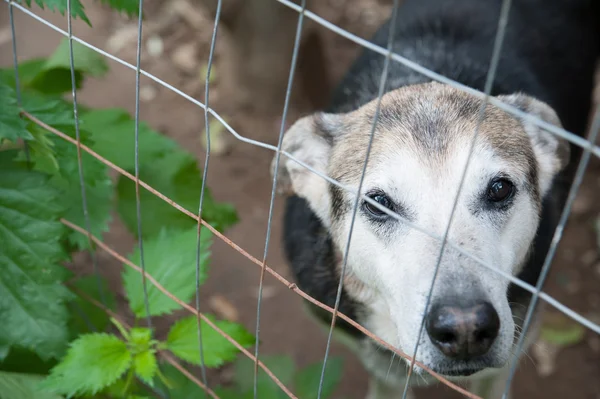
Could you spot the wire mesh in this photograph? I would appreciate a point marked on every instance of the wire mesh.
(590, 149)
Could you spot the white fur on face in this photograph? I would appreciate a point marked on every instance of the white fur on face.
(397, 262)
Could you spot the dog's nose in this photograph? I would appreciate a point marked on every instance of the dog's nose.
(463, 332)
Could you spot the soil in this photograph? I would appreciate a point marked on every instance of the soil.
(241, 176)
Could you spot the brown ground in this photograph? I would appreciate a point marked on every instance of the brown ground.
(242, 177)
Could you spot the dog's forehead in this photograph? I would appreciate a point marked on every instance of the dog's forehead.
(435, 124)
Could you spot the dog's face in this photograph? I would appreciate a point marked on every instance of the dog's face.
(419, 152)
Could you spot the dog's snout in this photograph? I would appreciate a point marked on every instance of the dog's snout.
(463, 332)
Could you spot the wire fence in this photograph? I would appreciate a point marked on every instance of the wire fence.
(587, 144)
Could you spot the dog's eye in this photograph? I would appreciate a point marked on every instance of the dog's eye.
(500, 190)
(382, 200)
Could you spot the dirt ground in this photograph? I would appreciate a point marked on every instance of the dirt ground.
(242, 177)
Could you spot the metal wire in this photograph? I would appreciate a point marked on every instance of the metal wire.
(288, 95)
(499, 40)
(558, 232)
(381, 91)
(204, 178)
(138, 204)
(84, 202)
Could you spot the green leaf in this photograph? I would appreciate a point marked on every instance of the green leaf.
(32, 295)
(22, 386)
(171, 259)
(128, 7)
(85, 316)
(145, 366)
(12, 126)
(176, 175)
(51, 110)
(93, 362)
(183, 341)
(113, 130)
(98, 191)
(307, 380)
(77, 9)
(42, 147)
(54, 77)
(281, 365)
(163, 165)
(560, 330)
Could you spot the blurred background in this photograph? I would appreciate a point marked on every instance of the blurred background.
(250, 71)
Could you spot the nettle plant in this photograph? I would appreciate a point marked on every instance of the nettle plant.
(55, 342)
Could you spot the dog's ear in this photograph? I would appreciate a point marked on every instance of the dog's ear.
(309, 140)
(551, 151)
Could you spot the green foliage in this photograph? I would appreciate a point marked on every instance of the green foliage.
(55, 331)
(77, 9)
(170, 258)
(93, 362)
(22, 386)
(32, 298)
(183, 341)
(128, 7)
(12, 127)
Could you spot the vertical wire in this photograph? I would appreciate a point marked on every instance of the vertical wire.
(381, 92)
(288, 95)
(564, 217)
(137, 163)
(204, 178)
(84, 202)
(499, 40)
(16, 67)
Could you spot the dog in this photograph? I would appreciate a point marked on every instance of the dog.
(507, 210)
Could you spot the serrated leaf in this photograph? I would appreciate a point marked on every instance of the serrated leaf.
(77, 9)
(163, 165)
(42, 147)
(12, 126)
(51, 110)
(93, 362)
(22, 386)
(177, 176)
(128, 7)
(98, 187)
(32, 295)
(281, 365)
(561, 331)
(55, 75)
(85, 316)
(145, 366)
(307, 380)
(183, 341)
(171, 259)
(113, 137)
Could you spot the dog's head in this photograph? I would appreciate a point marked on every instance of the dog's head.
(419, 152)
